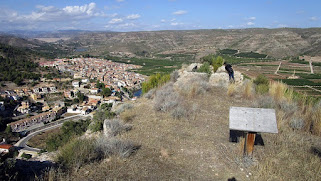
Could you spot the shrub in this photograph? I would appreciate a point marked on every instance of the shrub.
(288, 108)
(127, 115)
(114, 127)
(26, 156)
(124, 107)
(77, 153)
(166, 98)
(218, 62)
(261, 79)
(205, 68)
(113, 146)
(264, 102)
(98, 120)
(179, 112)
(69, 130)
(174, 76)
(262, 89)
(297, 123)
(155, 81)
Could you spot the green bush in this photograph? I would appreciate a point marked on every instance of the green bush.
(27, 156)
(69, 130)
(218, 62)
(205, 68)
(77, 153)
(262, 84)
(98, 119)
(261, 79)
(262, 89)
(155, 81)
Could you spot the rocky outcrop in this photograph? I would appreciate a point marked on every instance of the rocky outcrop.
(221, 79)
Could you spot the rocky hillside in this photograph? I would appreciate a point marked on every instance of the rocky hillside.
(273, 42)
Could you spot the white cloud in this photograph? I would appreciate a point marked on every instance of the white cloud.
(180, 12)
(250, 23)
(133, 16)
(85, 9)
(120, 1)
(230, 26)
(174, 19)
(115, 21)
(314, 18)
(163, 21)
(252, 18)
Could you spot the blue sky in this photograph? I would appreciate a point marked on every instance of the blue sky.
(149, 15)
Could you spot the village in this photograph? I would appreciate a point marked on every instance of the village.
(92, 78)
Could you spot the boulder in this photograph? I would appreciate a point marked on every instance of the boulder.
(221, 79)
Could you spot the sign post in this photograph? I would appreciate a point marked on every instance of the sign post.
(251, 121)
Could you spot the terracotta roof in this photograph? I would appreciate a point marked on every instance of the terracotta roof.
(6, 146)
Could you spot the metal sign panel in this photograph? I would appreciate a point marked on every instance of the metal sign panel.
(253, 120)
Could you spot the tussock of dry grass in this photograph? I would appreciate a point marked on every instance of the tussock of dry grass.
(248, 90)
(231, 90)
(128, 115)
(277, 90)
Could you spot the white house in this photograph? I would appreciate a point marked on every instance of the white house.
(84, 80)
(76, 83)
(6, 148)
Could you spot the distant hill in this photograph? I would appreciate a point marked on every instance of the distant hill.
(40, 48)
(277, 43)
(16, 64)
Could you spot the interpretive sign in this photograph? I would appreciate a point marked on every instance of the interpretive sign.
(253, 120)
(249, 122)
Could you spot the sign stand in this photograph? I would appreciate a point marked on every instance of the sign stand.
(251, 121)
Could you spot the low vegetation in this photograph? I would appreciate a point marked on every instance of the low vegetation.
(69, 130)
(155, 81)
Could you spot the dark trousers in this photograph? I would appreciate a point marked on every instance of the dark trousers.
(231, 75)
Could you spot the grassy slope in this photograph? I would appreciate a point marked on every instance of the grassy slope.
(196, 149)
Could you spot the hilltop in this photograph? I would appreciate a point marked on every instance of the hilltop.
(179, 131)
(276, 43)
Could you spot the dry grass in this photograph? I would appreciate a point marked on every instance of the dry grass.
(248, 90)
(277, 90)
(198, 149)
(316, 119)
(176, 149)
(287, 156)
(128, 115)
(231, 90)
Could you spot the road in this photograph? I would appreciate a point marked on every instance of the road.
(22, 143)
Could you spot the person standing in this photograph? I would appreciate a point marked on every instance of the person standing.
(228, 68)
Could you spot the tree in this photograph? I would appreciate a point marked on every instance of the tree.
(81, 97)
(8, 130)
(106, 92)
(218, 62)
(100, 85)
(205, 68)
